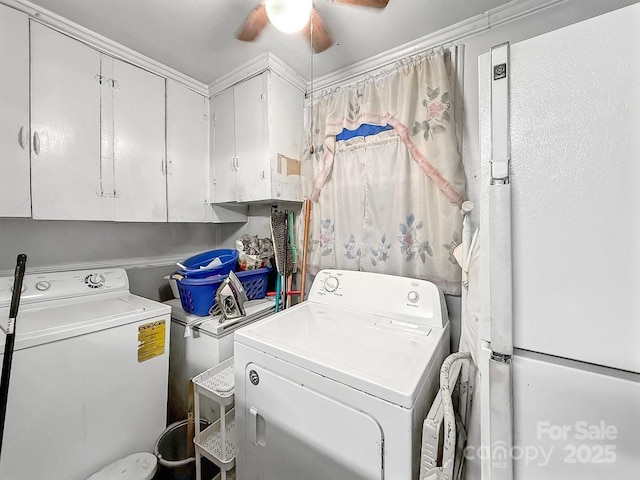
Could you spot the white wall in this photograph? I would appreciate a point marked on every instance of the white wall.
(147, 250)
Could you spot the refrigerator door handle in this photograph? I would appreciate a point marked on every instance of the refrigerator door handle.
(501, 414)
(500, 268)
(500, 154)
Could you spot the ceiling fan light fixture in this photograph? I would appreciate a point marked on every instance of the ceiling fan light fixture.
(288, 16)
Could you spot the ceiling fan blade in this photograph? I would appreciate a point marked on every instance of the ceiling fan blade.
(365, 3)
(321, 36)
(253, 25)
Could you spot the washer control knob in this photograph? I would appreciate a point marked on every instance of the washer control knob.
(94, 280)
(43, 285)
(331, 284)
(413, 296)
(24, 287)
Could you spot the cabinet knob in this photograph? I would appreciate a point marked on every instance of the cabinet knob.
(22, 138)
(36, 143)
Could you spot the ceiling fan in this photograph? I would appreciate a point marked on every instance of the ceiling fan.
(293, 15)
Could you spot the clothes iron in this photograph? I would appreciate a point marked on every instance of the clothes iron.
(230, 298)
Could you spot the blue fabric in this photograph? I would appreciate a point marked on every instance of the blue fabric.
(364, 130)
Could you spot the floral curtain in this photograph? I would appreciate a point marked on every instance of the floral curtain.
(389, 202)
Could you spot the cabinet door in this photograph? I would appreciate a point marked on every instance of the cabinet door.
(15, 199)
(252, 139)
(65, 127)
(139, 143)
(187, 154)
(223, 148)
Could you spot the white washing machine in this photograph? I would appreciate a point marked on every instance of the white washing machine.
(89, 374)
(338, 386)
(199, 343)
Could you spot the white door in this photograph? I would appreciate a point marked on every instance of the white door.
(187, 154)
(294, 433)
(574, 420)
(223, 148)
(139, 144)
(15, 195)
(575, 113)
(65, 125)
(252, 139)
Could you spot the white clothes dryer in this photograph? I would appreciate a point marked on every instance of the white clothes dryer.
(338, 386)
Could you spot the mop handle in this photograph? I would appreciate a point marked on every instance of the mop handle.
(10, 340)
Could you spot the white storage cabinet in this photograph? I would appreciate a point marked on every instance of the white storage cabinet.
(15, 199)
(98, 134)
(257, 133)
(187, 155)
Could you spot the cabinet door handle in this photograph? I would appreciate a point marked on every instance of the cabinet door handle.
(22, 138)
(162, 166)
(36, 143)
(237, 163)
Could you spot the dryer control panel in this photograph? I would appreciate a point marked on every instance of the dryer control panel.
(407, 299)
(51, 286)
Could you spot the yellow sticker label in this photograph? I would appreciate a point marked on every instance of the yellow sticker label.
(151, 339)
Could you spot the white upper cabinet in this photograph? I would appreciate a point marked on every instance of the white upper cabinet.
(15, 199)
(98, 134)
(223, 147)
(252, 139)
(65, 128)
(257, 141)
(187, 154)
(139, 144)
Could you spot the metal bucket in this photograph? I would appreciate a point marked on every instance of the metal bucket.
(174, 462)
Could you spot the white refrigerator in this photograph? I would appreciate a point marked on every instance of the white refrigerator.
(560, 255)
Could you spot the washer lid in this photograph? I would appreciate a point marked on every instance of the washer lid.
(384, 357)
(56, 320)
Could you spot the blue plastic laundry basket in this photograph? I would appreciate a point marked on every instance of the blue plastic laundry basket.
(197, 295)
(227, 256)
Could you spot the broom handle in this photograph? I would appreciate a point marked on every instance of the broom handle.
(10, 340)
(305, 247)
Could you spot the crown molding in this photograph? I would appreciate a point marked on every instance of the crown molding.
(442, 38)
(104, 44)
(266, 61)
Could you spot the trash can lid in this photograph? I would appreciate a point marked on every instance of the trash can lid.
(139, 466)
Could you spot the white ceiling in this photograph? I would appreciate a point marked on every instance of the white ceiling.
(196, 37)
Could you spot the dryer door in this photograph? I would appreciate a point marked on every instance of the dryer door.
(296, 433)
